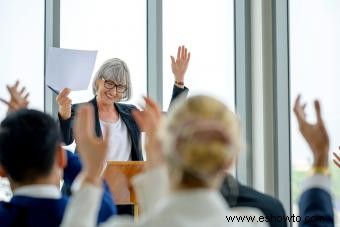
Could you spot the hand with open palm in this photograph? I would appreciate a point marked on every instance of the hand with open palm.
(149, 121)
(92, 149)
(18, 98)
(179, 65)
(315, 134)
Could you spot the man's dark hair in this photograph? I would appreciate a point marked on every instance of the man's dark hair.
(28, 144)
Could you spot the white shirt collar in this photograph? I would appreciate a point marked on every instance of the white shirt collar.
(39, 191)
(213, 200)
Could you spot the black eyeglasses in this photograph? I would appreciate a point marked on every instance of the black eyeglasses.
(109, 84)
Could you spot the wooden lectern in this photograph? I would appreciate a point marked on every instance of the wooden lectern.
(118, 175)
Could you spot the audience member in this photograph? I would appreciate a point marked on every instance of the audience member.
(315, 201)
(32, 158)
(238, 195)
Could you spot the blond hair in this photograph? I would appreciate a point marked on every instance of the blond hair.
(200, 135)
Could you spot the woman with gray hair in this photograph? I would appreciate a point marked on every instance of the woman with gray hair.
(111, 85)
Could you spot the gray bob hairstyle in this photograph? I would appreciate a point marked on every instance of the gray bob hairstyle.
(116, 70)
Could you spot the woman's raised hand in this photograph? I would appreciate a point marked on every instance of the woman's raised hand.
(180, 64)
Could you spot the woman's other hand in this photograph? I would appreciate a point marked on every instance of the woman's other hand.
(64, 103)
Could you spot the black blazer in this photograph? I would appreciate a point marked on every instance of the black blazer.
(238, 195)
(125, 112)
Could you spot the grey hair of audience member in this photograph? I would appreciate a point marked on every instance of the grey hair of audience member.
(116, 70)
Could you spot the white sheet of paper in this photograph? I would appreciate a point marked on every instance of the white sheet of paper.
(69, 68)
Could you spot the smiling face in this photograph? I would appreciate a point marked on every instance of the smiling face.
(109, 91)
(112, 82)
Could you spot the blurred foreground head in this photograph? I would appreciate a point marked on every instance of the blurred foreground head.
(200, 138)
(29, 143)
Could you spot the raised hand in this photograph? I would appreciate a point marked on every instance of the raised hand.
(18, 98)
(92, 150)
(180, 65)
(149, 121)
(315, 134)
(64, 103)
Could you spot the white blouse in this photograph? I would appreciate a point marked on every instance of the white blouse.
(119, 141)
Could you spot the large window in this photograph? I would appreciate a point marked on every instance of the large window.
(22, 54)
(207, 29)
(22, 49)
(116, 28)
(314, 72)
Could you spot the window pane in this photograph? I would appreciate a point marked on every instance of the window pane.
(22, 49)
(314, 72)
(116, 28)
(22, 53)
(207, 29)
